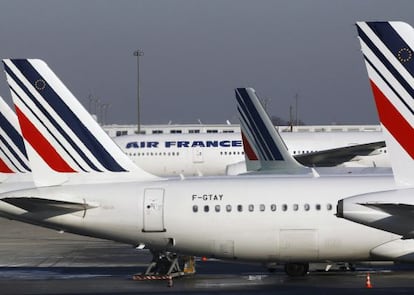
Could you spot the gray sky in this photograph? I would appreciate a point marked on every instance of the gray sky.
(197, 52)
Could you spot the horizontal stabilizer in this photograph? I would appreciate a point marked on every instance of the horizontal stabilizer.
(396, 209)
(41, 204)
(337, 156)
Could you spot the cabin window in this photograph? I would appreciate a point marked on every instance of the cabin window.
(240, 208)
(121, 132)
(284, 207)
(318, 207)
(251, 208)
(329, 207)
(306, 207)
(228, 208)
(206, 208)
(295, 207)
(217, 208)
(273, 207)
(262, 207)
(195, 208)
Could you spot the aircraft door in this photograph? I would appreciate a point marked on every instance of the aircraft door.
(198, 155)
(153, 210)
(298, 244)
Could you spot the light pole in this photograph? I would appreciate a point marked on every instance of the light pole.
(105, 113)
(138, 53)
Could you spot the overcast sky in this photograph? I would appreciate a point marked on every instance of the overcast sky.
(197, 52)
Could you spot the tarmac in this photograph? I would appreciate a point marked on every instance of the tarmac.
(34, 260)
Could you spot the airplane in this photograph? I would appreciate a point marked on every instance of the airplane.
(265, 150)
(206, 154)
(387, 50)
(288, 219)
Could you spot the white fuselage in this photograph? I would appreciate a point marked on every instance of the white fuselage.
(212, 153)
(252, 218)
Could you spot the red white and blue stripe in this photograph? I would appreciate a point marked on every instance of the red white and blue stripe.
(263, 146)
(389, 57)
(50, 121)
(13, 156)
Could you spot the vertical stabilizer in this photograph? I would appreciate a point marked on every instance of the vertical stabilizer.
(64, 143)
(388, 53)
(264, 148)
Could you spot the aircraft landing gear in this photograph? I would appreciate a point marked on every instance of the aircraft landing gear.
(296, 269)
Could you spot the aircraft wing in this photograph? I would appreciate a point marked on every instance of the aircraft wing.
(41, 205)
(334, 157)
(395, 209)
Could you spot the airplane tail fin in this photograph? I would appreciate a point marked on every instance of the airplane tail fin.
(63, 142)
(264, 149)
(13, 156)
(387, 48)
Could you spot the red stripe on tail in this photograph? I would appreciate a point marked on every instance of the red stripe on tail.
(45, 150)
(4, 168)
(248, 149)
(395, 123)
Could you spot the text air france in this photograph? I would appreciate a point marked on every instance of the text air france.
(184, 144)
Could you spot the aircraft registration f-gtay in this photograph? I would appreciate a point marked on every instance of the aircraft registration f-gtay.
(388, 52)
(86, 185)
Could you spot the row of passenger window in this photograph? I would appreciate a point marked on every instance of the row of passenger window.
(302, 152)
(262, 207)
(231, 153)
(169, 154)
(175, 154)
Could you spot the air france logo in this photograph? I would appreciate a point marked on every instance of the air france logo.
(40, 84)
(184, 144)
(404, 55)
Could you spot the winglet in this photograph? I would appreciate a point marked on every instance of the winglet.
(64, 143)
(388, 49)
(264, 148)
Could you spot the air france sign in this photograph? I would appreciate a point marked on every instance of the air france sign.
(183, 144)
